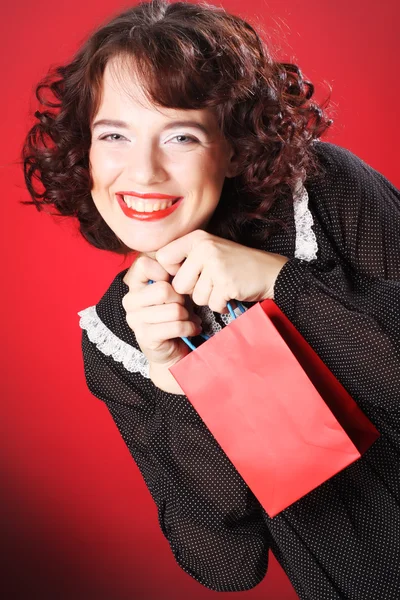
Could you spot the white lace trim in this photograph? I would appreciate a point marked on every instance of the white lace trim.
(134, 361)
(306, 242)
(109, 344)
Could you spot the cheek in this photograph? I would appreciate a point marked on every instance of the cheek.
(103, 167)
(199, 172)
(214, 169)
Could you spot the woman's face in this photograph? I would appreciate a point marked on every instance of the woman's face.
(138, 148)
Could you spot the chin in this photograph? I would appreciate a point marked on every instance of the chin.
(152, 243)
(145, 247)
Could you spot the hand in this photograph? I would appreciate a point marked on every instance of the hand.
(217, 270)
(157, 314)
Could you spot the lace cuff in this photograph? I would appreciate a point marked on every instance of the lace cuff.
(109, 344)
(306, 242)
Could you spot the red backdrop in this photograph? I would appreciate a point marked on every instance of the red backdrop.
(78, 522)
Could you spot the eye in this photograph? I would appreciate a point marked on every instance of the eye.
(113, 136)
(187, 139)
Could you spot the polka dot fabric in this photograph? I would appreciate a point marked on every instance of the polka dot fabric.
(342, 540)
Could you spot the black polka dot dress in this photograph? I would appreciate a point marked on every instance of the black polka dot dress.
(342, 540)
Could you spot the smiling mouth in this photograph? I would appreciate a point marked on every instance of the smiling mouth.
(145, 206)
(156, 213)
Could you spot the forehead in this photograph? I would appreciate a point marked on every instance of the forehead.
(121, 83)
(122, 91)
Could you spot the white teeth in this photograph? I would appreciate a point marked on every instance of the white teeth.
(141, 206)
(128, 201)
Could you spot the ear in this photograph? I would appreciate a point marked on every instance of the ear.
(233, 167)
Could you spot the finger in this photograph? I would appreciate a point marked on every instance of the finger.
(202, 290)
(187, 277)
(143, 270)
(161, 332)
(173, 254)
(218, 301)
(165, 313)
(158, 293)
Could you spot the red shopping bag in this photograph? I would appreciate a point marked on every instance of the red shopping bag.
(282, 418)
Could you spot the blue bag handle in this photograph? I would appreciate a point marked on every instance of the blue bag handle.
(203, 335)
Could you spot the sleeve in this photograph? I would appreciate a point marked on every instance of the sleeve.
(211, 519)
(348, 307)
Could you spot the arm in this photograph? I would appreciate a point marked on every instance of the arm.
(348, 308)
(210, 518)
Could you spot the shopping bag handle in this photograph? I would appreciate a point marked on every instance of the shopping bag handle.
(203, 335)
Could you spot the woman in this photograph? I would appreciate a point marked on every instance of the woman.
(175, 135)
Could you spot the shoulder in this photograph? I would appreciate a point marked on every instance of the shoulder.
(334, 157)
(357, 207)
(338, 160)
(348, 188)
(343, 173)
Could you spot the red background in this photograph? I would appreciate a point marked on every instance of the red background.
(78, 522)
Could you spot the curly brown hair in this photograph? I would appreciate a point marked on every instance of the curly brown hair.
(190, 56)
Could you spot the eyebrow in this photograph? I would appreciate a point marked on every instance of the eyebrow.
(173, 125)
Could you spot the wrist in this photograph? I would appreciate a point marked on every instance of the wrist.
(162, 378)
(281, 262)
(274, 264)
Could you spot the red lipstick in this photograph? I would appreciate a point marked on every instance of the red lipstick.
(148, 216)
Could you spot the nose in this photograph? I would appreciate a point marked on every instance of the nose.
(145, 166)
